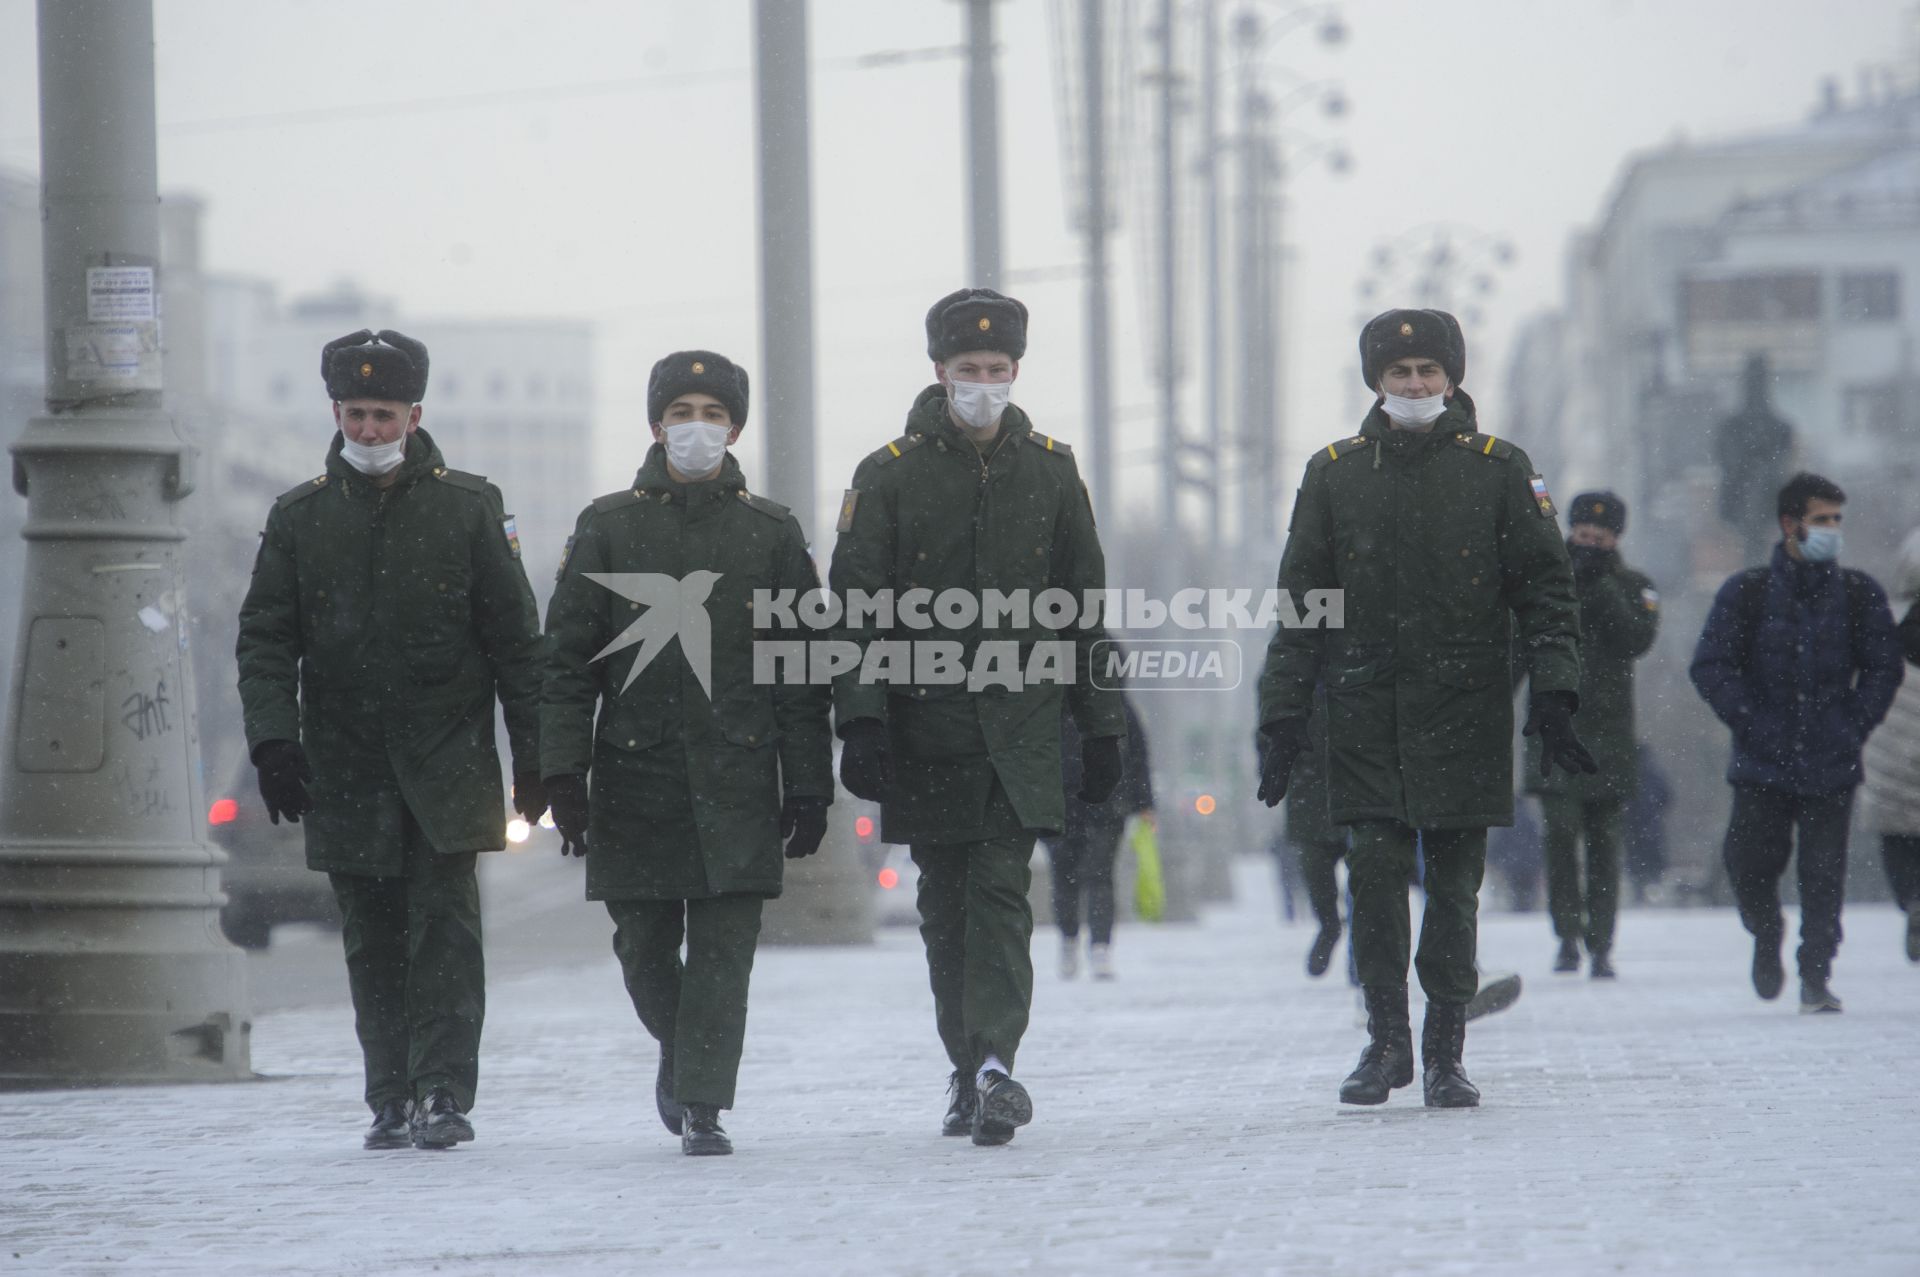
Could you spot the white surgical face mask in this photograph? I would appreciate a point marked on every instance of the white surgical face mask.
(979, 403)
(373, 458)
(695, 447)
(1822, 545)
(1414, 414)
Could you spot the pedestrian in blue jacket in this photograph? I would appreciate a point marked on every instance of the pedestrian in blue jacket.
(1800, 659)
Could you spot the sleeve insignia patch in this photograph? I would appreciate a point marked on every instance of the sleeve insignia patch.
(513, 536)
(1540, 497)
(1650, 599)
(566, 552)
(847, 503)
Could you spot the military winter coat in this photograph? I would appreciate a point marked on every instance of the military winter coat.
(1801, 661)
(1619, 612)
(930, 512)
(379, 627)
(1445, 542)
(685, 787)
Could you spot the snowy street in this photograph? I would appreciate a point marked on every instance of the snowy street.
(1185, 1123)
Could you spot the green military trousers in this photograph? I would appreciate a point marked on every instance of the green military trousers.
(1318, 858)
(1380, 861)
(1576, 916)
(978, 927)
(416, 973)
(696, 1008)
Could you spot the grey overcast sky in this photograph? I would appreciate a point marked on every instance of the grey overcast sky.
(600, 165)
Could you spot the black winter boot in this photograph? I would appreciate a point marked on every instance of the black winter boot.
(700, 1134)
(392, 1127)
(959, 1118)
(1387, 1061)
(1442, 1040)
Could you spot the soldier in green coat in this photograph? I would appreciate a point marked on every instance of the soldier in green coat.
(387, 611)
(1443, 541)
(699, 770)
(1619, 612)
(971, 499)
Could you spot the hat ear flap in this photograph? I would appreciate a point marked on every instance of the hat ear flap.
(415, 351)
(360, 338)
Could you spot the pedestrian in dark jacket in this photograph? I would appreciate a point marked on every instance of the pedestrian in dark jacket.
(1801, 661)
(1082, 855)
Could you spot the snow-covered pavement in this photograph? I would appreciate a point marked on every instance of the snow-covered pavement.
(1185, 1123)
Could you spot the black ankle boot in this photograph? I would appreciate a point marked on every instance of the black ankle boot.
(1442, 1040)
(959, 1118)
(663, 1102)
(1387, 1061)
(700, 1134)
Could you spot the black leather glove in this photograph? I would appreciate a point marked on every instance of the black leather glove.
(866, 761)
(1590, 562)
(1550, 716)
(803, 823)
(568, 796)
(284, 774)
(529, 797)
(1101, 768)
(1278, 744)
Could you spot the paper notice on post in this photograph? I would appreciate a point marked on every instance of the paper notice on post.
(124, 355)
(119, 292)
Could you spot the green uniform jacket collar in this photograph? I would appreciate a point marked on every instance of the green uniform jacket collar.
(422, 459)
(929, 416)
(653, 477)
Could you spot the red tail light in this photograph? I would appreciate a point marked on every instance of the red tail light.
(223, 811)
(863, 829)
(889, 879)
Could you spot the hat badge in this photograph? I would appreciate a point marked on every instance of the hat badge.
(366, 370)
(1406, 330)
(985, 324)
(1599, 507)
(698, 367)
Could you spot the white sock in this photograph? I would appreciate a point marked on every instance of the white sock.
(991, 1062)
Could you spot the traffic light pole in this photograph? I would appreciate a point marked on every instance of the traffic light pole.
(112, 965)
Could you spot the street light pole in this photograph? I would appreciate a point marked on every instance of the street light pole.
(786, 253)
(1099, 386)
(112, 966)
(983, 147)
(1210, 237)
(1171, 453)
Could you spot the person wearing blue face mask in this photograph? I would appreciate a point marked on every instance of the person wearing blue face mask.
(1801, 660)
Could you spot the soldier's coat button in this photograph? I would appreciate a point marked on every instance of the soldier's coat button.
(443, 587)
(1474, 581)
(753, 740)
(1463, 551)
(322, 480)
(632, 743)
(921, 555)
(1349, 554)
(636, 492)
(634, 606)
(1039, 550)
(439, 470)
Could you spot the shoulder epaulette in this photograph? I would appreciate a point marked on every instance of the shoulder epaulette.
(1342, 448)
(305, 490)
(1050, 444)
(1485, 445)
(461, 479)
(904, 444)
(615, 500)
(765, 505)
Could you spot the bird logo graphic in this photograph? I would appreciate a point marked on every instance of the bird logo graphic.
(673, 607)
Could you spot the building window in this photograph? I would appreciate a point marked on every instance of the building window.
(1753, 298)
(1873, 412)
(1870, 296)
